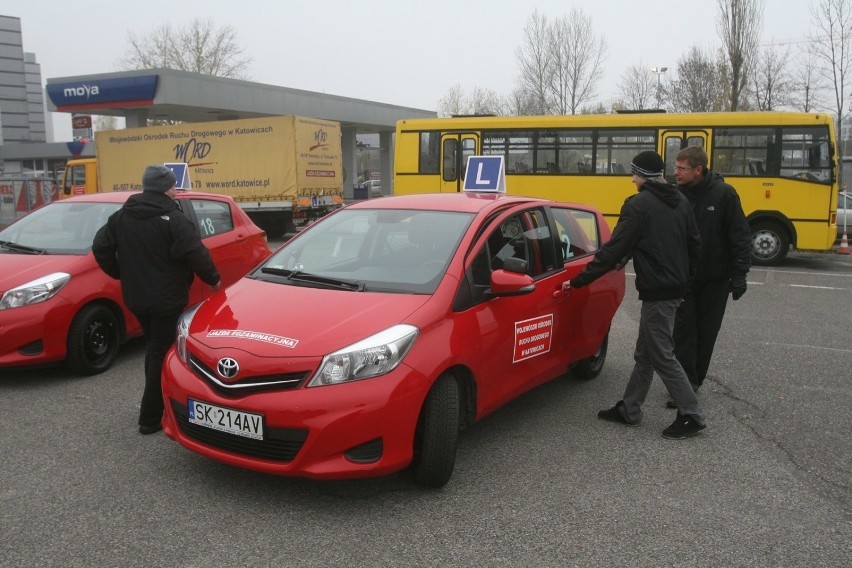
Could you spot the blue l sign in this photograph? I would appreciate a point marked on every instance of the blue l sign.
(485, 173)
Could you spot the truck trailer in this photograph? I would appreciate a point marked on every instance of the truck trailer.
(282, 170)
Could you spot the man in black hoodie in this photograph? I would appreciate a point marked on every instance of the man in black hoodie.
(154, 250)
(725, 261)
(657, 228)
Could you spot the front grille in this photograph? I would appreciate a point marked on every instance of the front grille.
(279, 444)
(246, 384)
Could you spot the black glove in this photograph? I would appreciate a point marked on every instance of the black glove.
(738, 286)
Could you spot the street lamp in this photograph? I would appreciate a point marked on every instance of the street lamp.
(658, 71)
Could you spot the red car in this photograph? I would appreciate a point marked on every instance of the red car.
(365, 344)
(55, 302)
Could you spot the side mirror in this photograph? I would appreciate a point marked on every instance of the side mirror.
(511, 280)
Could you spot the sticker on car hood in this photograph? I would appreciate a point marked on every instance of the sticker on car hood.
(254, 336)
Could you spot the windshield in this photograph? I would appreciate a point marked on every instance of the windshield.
(58, 228)
(378, 250)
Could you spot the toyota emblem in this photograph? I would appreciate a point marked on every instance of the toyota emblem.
(228, 368)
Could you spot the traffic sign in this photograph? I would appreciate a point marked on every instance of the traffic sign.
(181, 172)
(485, 173)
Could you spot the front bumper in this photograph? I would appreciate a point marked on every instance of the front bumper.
(36, 334)
(360, 429)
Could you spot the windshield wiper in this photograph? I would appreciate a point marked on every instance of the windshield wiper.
(299, 276)
(21, 248)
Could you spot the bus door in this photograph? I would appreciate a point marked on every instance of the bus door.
(676, 140)
(456, 147)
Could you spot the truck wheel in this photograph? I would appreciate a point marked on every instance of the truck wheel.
(591, 367)
(436, 438)
(93, 340)
(769, 243)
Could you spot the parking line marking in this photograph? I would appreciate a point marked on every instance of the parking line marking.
(817, 287)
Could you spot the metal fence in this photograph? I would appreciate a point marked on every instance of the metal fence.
(21, 194)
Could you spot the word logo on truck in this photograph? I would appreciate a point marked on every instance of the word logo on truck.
(320, 137)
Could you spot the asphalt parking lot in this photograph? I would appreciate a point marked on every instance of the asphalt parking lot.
(541, 482)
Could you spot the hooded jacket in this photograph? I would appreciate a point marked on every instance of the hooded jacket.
(725, 234)
(151, 246)
(657, 228)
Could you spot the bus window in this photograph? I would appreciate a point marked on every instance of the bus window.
(737, 151)
(619, 147)
(429, 150)
(451, 159)
(805, 154)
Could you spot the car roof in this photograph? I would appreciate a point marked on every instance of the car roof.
(470, 202)
(122, 196)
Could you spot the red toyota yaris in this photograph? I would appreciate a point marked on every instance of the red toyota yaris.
(365, 344)
(56, 304)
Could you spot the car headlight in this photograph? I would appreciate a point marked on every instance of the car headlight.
(182, 332)
(370, 357)
(34, 292)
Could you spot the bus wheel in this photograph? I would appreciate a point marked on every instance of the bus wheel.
(769, 244)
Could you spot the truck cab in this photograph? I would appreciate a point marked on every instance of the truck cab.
(80, 177)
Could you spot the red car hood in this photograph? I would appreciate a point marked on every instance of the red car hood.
(276, 320)
(17, 269)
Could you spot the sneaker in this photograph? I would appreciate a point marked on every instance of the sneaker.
(152, 429)
(614, 415)
(684, 426)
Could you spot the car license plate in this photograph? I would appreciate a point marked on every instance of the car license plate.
(227, 420)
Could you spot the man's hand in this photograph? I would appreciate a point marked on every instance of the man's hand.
(738, 286)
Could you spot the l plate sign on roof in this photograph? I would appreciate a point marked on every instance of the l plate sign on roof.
(485, 173)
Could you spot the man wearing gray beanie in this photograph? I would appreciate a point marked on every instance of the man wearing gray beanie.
(657, 229)
(155, 251)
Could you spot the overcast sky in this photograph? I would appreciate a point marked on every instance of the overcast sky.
(403, 52)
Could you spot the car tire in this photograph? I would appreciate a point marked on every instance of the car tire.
(769, 244)
(591, 367)
(436, 438)
(93, 340)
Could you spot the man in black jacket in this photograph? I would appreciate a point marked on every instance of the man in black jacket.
(154, 250)
(725, 261)
(657, 228)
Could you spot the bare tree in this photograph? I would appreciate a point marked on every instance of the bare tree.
(484, 101)
(637, 88)
(771, 85)
(739, 27)
(809, 85)
(104, 122)
(198, 47)
(453, 102)
(480, 101)
(578, 55)
(833, 49)
(535, 64)
(518, 103)
(561, 62)
(701, 83)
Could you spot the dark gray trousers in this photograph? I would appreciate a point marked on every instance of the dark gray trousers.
(655, 352)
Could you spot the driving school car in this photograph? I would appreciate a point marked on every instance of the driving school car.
(366, 343)
(56, 304)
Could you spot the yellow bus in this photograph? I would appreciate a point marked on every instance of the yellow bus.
(782, 164)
